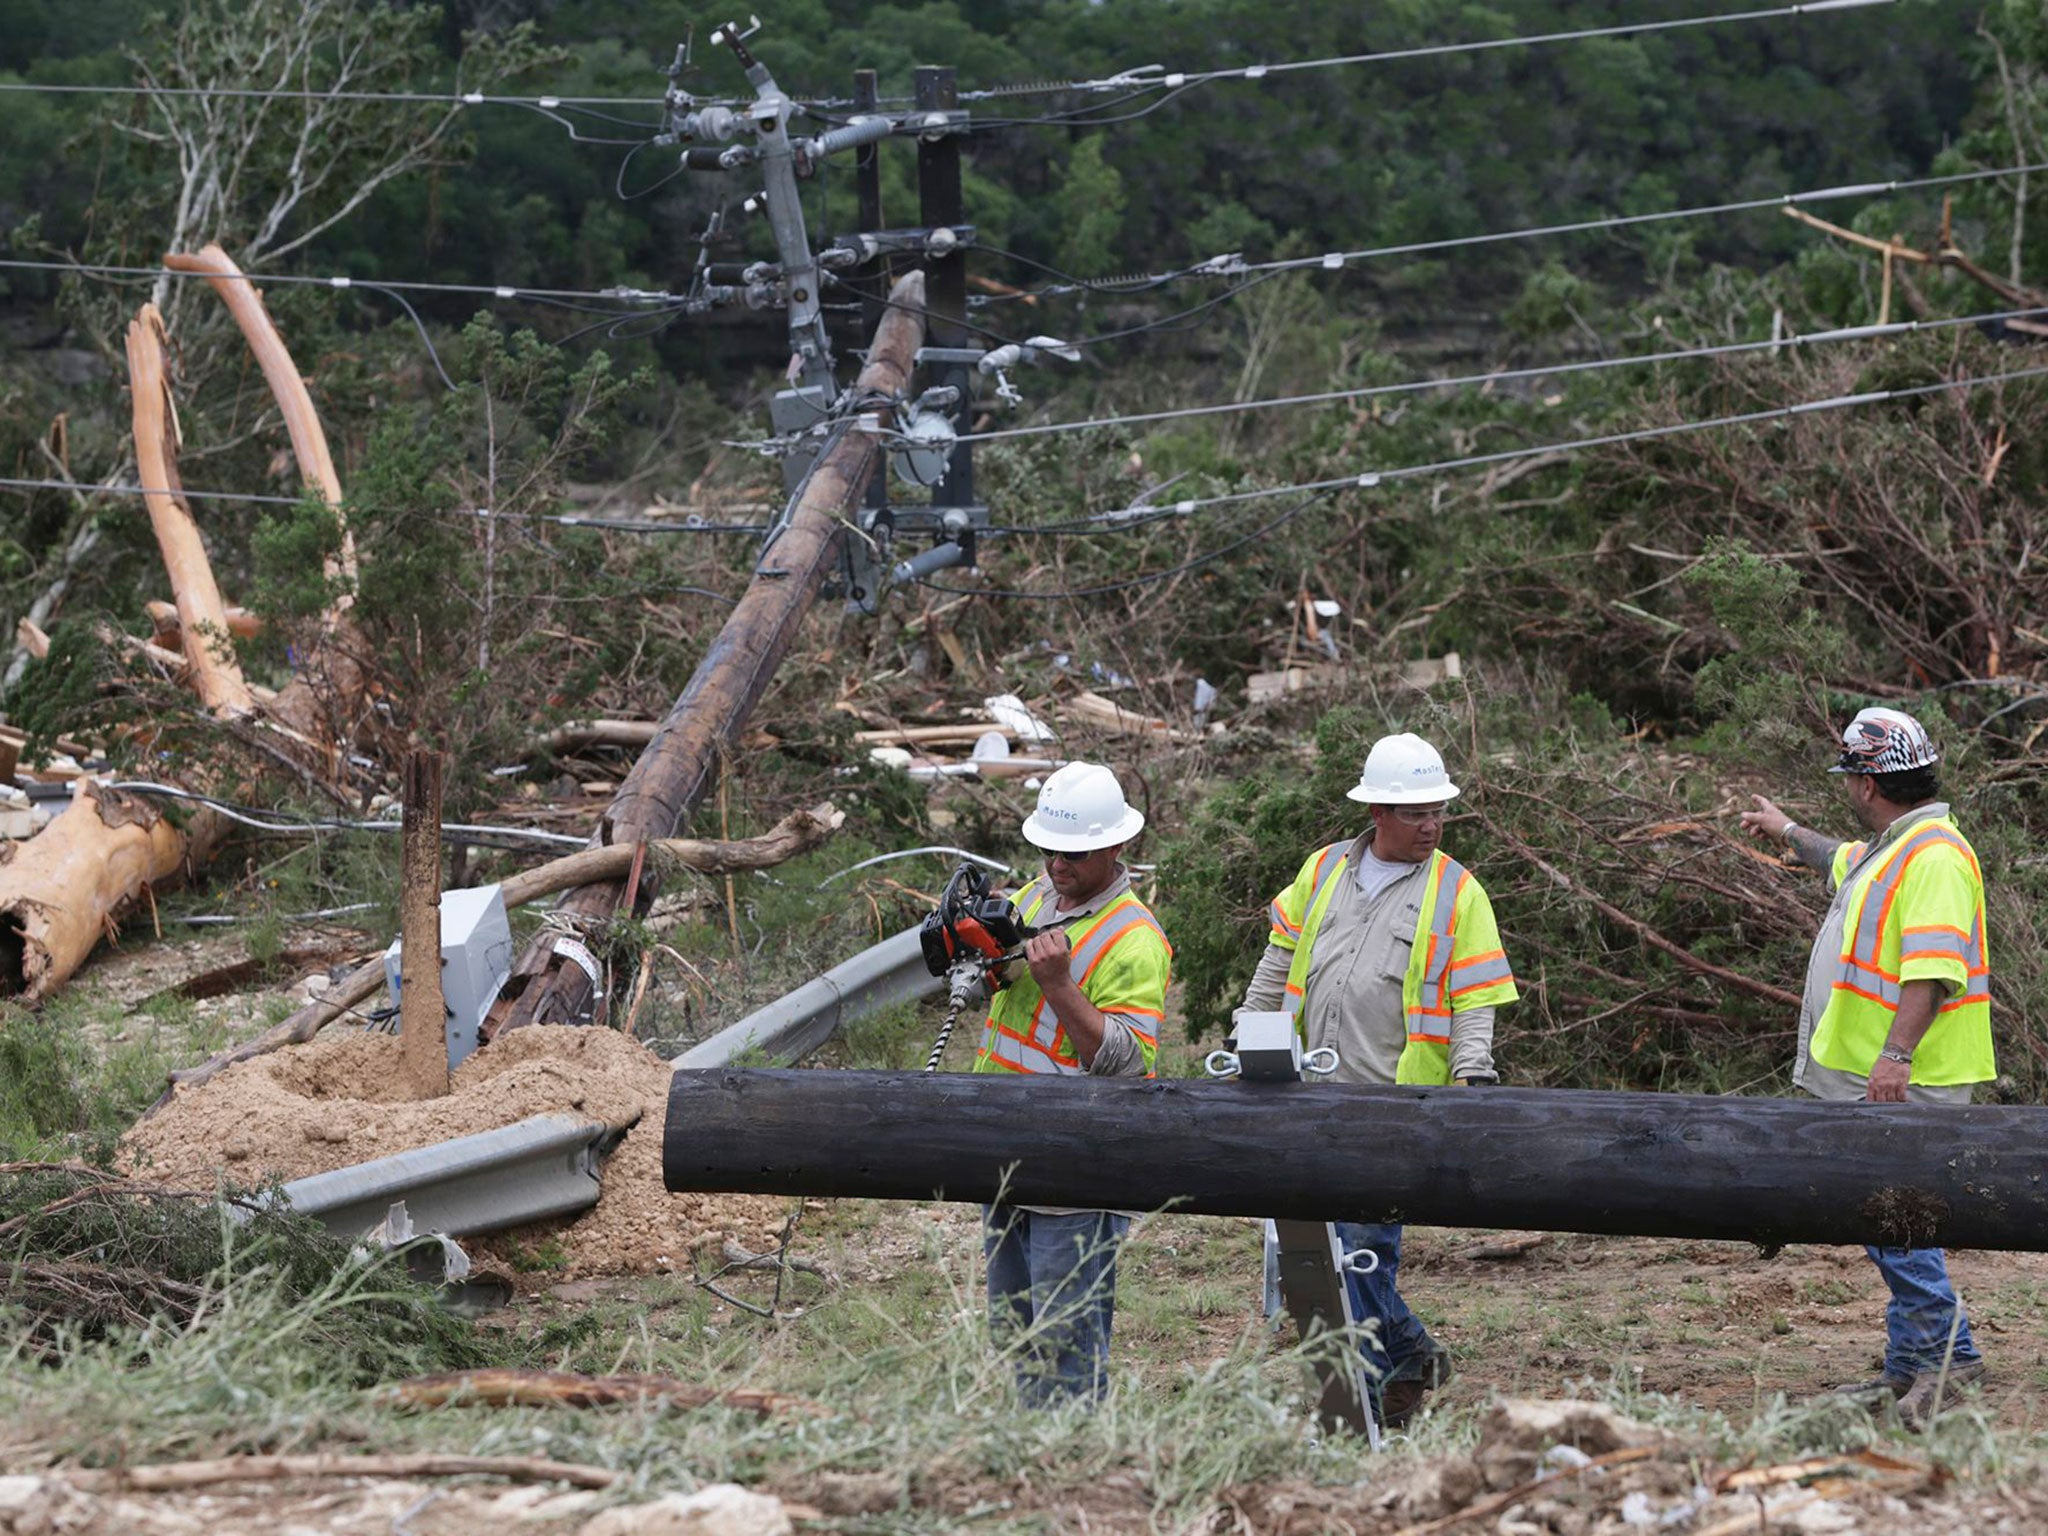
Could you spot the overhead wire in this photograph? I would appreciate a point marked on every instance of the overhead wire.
(1229, 265)
(1370, 479)
(340, 281)
(263, 498)
(1180, 80)
(1209, 557)
(1316, 491)
(270, 821)
(1511, 375)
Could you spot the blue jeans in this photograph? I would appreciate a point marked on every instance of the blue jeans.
(1401, 1350)
(1052, 1297)
(1922, 1312)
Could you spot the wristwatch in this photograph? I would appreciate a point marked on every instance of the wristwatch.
(1893, 1053)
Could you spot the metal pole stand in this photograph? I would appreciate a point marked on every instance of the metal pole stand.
(1305, 1258)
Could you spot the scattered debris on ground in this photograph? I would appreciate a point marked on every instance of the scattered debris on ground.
(334, 1102)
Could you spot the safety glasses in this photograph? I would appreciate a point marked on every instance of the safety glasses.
(1419, 815)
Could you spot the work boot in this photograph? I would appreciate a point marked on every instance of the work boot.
(1436, 1365)
(1399, 1401)
(1933, 1391)
(1878, 1390)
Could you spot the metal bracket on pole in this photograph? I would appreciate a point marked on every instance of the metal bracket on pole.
(1305, 1259)
(941, 206)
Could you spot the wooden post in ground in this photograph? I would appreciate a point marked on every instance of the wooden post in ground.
(422, 1008)
(550, 983)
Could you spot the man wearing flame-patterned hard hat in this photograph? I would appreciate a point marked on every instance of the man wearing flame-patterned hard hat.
(1897, 1007)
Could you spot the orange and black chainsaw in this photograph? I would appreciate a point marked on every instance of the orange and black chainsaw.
(970, 923)
(970, 933)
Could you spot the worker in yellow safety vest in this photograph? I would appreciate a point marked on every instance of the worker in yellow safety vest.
(1897, 1008)
(1091, 998)
(1384, 948)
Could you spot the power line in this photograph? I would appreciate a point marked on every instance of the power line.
(1230, 265)
(1183, 79)
(1370, 479)
(261, 498)
(1132, 83)
(1510, 375)
(641, 296)
(406, 98)
(1150, 577)
(1313, 492)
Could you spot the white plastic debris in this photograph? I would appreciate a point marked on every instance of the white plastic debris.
(1007, 710)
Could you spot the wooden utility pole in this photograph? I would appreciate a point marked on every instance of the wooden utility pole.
(550, 984)
(1768, 1171)
(422, 1006)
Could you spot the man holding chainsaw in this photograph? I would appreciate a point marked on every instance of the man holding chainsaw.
(1385, 949)
(1089, 997)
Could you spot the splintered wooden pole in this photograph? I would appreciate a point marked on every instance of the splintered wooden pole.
(552, 981)
(422, 1009)
(202, 616)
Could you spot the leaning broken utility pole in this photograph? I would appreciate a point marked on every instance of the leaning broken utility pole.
(1768, 1171)
(557, 980)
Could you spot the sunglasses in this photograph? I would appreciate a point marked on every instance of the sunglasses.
(1070, 858)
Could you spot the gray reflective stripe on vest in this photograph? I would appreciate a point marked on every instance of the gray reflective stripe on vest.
(1437, 962)
(1863, 951)
(1482, 974)
(1114, 927)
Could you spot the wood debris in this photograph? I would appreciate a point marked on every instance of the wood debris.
(1317, 677)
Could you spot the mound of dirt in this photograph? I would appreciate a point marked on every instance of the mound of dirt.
(338, 1100)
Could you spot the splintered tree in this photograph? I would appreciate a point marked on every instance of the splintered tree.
(62, 891)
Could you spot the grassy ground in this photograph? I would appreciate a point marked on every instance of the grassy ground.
(915, 1426)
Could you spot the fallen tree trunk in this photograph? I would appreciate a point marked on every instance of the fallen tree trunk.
(796, 833)
(99, 854)
(707, 720)
(1768, 1171)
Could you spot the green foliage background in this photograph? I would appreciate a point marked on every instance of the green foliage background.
(1653, 630)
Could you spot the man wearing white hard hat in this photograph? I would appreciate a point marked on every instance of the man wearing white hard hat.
(1897, 1007)
(1091, 1000)
(1385, 949)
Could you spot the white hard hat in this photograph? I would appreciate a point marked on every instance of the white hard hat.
(1081, 807)
(1403, 770)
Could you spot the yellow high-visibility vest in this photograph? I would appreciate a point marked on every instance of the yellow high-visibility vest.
(1915, 913)
(1455, 964)
(1120, 961)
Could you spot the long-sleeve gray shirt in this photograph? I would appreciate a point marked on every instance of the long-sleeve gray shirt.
(1352, 994)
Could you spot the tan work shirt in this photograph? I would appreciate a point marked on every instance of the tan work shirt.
(1352, 994)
